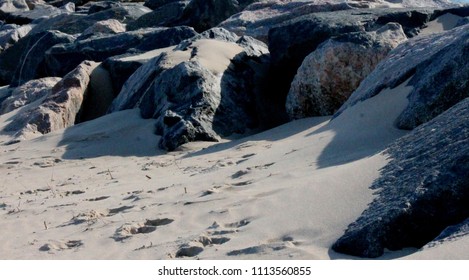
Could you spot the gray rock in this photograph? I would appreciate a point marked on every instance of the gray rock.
(61, 59)
(166, 15)
(10, 6)
(437, 65)
(329, 75)
(59, 109)
(25, 60)
(463, 21)
(78, 23)
(28, 93)
(110, 26)
(422, 190)
(200, 90)
(11, 33)
(37, 13)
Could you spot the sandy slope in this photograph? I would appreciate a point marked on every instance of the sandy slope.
(100, 190)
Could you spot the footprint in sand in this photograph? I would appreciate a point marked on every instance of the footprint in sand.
(61, 245)
(128, 230)
(215, 235)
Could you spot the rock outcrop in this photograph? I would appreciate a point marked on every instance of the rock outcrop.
(11, 33)
(422, 190)
(437, 65)
(335, 69)
(60, 109)
(25, 60)
(205, 87)
(62, 58)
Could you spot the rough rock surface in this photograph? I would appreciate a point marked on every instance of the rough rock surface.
(60, 109)
(77, 23)
(62, 58)
(422, 190)
(110, 26)
(165, 15)
(335, 69)
(205, 87)
(38, 12)
(29, 92)
(25, 60)
(437, 65)
(11, 33)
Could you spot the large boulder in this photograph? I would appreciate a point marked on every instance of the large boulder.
(39, 12)
(328, 76)
(110, 26)
(60, 109)
(28, 93)
(422, 190)
(25, 60)
(11, 33)
(62, 58)
(204, 88)
(10, 6)
(438, 68)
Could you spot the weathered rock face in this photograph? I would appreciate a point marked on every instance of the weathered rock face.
(77, 23)
(25, 59)
(60, 108)
(36, 13)
(155, 4)
(422, 190)
(10, 6)
(200, 14)
(437, 65)
(11, 33)
(335, 69)
(205, 14)
(199, 90)
(28, 93)
(110, 26)
(165, 15)
(60, 59)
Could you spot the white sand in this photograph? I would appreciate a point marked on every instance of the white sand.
(287, 193)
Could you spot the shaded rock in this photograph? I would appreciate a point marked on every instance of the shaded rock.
(329, 75)
(59, 109)
(205, 14)
(422, 190)
(11, 33)
(437, 65)
(78, 23)
(199, 90)
(10, 6)
(95, 7)
(110, 26)
(62, 58)
(28, 93)
(166, 15)
(25, 60)
(155, 4)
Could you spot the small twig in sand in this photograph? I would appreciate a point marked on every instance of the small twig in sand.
(148, 176)
(45, 225)
(110, 175)
(185, 190)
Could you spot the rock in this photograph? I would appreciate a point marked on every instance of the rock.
(437, 65)
(95, 7)
(166, 15)
(463, 21)
(335, 69)
(110, 26)
(78, 23)
(25, 60)
(60, 59)
(422, 190)
(28, 93)
(60, 109)
(10, 6)
(200, 90)
(258, 18)
(205, 14)
(155, 4)
(37, 13)
(11, 33)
